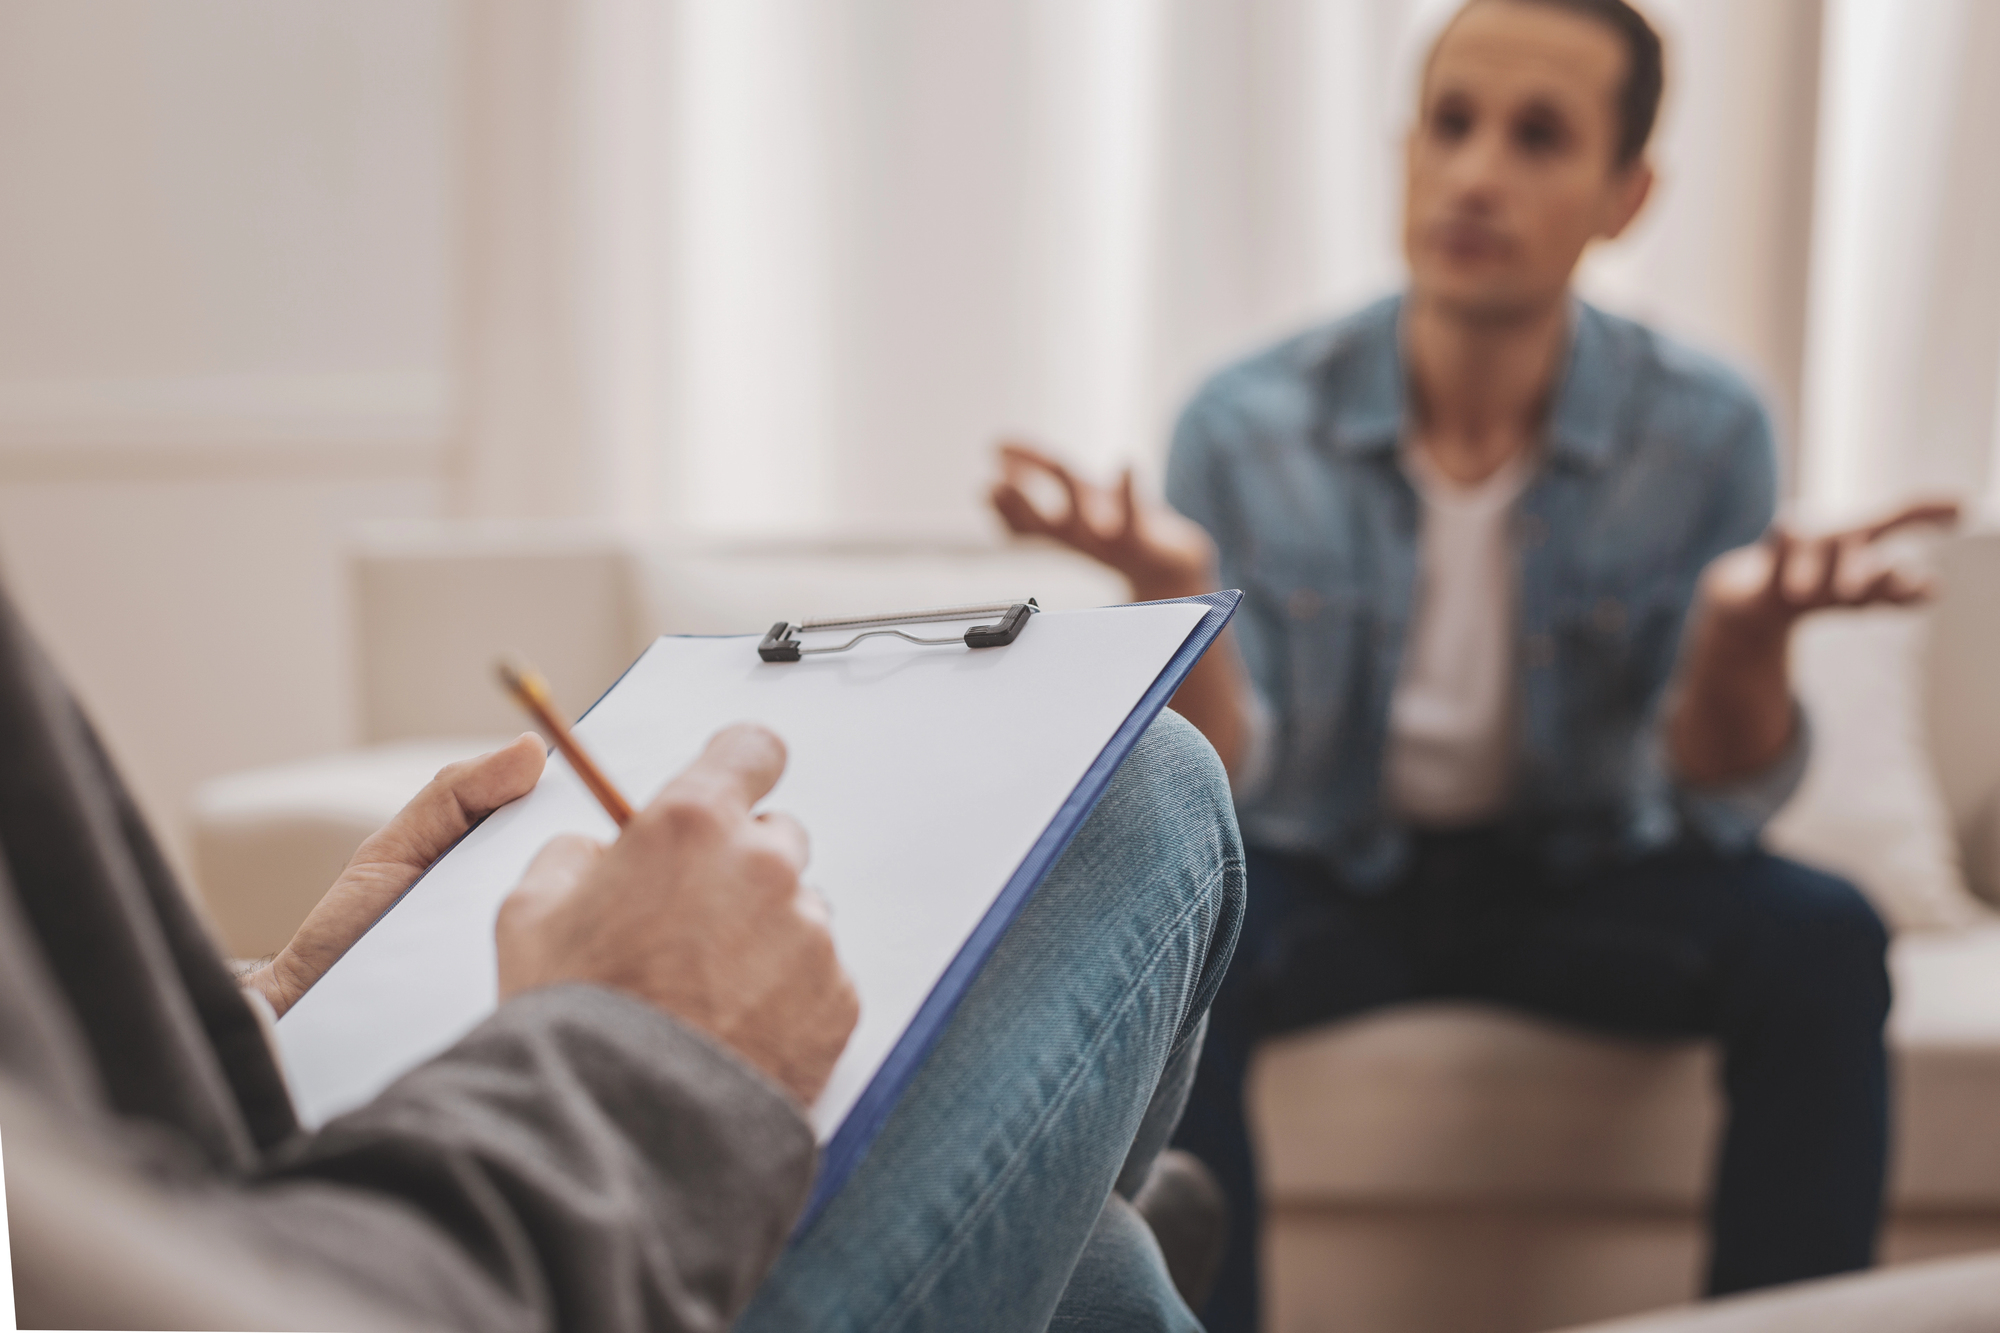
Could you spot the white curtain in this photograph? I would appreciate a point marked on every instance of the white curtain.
(1905, 313)
(780, 265)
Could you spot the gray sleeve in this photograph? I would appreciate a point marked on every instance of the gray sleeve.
(107, 1235)
(578, 1161)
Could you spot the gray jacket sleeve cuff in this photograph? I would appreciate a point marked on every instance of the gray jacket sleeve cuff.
(1729, 817)
(579, 1160)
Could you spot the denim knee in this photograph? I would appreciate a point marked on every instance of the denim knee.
(1823, 942)
(1176, 762)
(1172, 792)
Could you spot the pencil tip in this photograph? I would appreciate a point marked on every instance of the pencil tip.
(518, 677)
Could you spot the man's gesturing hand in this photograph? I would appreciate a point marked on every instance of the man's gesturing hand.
(1733, 713)
(1159, 552)
(457, 798)
(697, 908)
(1762, 589)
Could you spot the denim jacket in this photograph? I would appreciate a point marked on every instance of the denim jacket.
(1657, 459)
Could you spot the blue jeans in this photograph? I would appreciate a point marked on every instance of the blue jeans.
(996, 1196)
(1785, 965)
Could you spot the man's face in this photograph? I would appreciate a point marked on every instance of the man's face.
(1511, 162)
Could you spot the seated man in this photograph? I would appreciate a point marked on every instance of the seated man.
(622, 1144)
(1474, 753)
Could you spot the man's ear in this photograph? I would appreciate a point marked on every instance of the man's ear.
(1630, 192)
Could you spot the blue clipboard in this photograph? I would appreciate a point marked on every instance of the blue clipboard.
(871, 1111)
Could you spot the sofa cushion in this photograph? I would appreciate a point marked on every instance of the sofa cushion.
(1946, 1296)
(1459, 1103)
(1870, 807)
(1961, 707)
(1945, 1037)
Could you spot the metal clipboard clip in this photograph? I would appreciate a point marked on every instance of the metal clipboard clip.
(782, 644)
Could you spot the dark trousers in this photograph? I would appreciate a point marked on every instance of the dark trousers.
(1783, 964)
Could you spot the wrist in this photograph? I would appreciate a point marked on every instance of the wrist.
(257, 977)
(1738, 637)
(280, 979)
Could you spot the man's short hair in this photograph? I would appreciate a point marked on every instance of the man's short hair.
(1645, 68)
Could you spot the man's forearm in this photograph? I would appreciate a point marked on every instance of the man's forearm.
(1732, 714)
(1212, 697)
(1215, 696)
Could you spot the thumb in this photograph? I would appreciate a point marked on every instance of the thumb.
(460, 796)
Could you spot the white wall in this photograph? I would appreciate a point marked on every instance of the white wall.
(1722, 254)
(887, 232)
(1906, 322)
(201, 619)
(227, 333)
(272, 267)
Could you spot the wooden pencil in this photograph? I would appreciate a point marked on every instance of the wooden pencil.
(532, 693)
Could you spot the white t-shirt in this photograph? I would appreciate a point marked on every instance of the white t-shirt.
(1450, 755)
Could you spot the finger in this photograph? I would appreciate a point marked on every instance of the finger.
(1831, 553)
(365, 890)
(1019, 453)
(1073, 526)
(1020, 461)
(1073, 493)
(1859, 591)
(739, 765)
(1783, 545)
(1892, 587)
(1935, 512)
(1019, 512)
(484, 784)
(1906, 590)
(460, 796)
(1128, 501)
(1807, 565)
(785, 834)
(1016, 454)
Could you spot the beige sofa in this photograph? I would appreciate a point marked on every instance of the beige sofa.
(1942, 1296)
(1436, 1167)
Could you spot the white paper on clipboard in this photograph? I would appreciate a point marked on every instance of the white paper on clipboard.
(924, 776)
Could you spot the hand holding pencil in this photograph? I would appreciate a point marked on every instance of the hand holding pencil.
(532, 693)
(698, 908)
